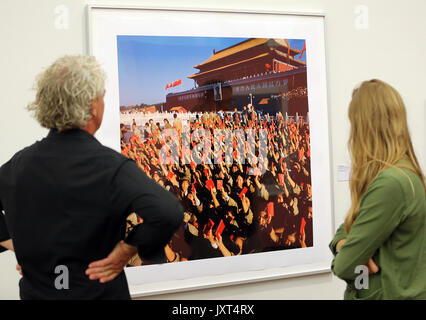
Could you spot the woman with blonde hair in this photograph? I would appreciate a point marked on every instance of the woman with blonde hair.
(384, 232)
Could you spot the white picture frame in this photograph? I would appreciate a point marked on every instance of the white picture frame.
(106, 22)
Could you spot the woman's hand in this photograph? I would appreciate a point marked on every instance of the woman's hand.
(371, 265)
(340, 244)
(246, 203)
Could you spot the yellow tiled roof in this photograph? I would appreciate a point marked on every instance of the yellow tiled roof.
(244, 45)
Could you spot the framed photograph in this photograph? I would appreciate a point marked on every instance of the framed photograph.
(228, 111)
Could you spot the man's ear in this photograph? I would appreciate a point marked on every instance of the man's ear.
(94, 109)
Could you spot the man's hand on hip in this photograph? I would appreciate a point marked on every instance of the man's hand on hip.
(109, 268)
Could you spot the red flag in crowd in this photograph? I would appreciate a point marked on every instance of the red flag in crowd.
(301, 153)
(302, 227)
(208, 227)
(169, 175)
(220, 229)
(219, 184)
(243, 192)
(281, 178)
(270, 209)
(210, 184)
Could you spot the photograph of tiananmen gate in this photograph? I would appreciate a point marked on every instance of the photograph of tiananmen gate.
(233, 204)
(256, 71)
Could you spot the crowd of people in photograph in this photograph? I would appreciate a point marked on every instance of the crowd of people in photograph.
(300, 92)
(230, 209)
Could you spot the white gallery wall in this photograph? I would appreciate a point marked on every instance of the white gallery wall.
(364, 39)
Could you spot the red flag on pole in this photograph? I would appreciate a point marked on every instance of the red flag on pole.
(304, 49)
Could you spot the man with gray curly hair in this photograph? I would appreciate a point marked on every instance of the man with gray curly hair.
(66, 92)
(64, 200)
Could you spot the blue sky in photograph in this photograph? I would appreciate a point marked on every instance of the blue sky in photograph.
(147, 63)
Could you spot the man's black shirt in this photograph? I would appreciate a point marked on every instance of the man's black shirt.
(65, 201)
